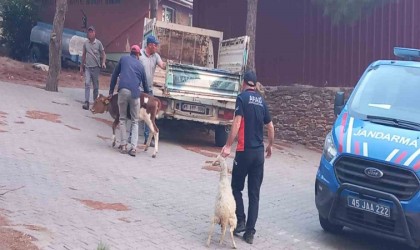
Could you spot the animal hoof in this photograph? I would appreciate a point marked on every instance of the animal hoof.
(153, 156)
(113, 144)
(145, 149)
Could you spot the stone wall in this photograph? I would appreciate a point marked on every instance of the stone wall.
(302, 114)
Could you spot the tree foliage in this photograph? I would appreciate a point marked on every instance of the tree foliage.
(348, 11)
(19, 16)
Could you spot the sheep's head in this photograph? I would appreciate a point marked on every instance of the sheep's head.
(221, 162)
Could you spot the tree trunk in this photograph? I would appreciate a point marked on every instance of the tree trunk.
(251, 27)
(153, 8)
(55, 45)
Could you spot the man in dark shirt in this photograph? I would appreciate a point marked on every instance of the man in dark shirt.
(132, 75)
(251, 114)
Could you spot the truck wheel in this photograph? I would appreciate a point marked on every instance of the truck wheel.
(329, 227)
(220, 135)
(35, 54)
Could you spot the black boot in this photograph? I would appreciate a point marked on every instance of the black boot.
(86, 106)
(249, 237)
(240, 227)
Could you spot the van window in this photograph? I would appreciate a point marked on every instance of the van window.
(388, 91)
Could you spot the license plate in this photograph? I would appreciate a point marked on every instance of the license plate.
(369, 206)
(193, 108)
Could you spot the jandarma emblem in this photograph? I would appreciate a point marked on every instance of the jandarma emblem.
(374, 172)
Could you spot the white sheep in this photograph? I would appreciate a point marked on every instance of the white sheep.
(224, 211)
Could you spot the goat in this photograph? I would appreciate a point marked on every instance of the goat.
(224, 210)
(149, 110)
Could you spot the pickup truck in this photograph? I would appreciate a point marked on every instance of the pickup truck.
(197, 86)
(368, 176)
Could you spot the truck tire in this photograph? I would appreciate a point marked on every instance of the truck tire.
(329, 227)
(220, 135)
(35, 56)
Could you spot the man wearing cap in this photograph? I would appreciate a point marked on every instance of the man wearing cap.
(150, 58)
(251, 114)
(132, 77)
(93, 59)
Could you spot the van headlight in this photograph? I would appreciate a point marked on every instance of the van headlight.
(330, 151)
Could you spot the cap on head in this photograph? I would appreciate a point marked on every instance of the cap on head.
(91, 28)
(152, 39)
(250, 78)
(135, 48)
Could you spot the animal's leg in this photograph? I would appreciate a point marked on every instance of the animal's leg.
(224, 226)
(155, 130)
(152, 132)
(144, 116)
(114, 126)
(213, 222)
(232, 224)
(156, 136)
(153, 119)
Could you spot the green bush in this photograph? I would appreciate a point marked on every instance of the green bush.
(19, 16)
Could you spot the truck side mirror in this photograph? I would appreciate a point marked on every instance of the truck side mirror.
(338, 103)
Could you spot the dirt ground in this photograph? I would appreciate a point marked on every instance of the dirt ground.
(24, 73)
(13, 240)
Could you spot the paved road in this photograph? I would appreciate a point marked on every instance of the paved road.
(77, 191)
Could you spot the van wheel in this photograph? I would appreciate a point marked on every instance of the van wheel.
(329, 227)
(220, 135)
(35, 54)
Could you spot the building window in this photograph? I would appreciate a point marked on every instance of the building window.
(168, 14)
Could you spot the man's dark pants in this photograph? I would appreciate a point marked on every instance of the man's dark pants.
(248, 163)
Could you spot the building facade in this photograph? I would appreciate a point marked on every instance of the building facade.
(118, 23)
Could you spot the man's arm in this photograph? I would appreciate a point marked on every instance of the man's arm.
(269, 125)
(114, 78)
(160, 63)
(234, 130)
(270, 128)
(232, 135)
(144, 81)
(103, 56)
(82, 66)
(235, 127)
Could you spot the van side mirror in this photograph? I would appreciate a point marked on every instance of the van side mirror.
(338, 103)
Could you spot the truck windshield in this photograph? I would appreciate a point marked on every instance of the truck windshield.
(388, 92)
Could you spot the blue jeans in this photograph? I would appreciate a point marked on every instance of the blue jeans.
(125, 100)
(92, 76)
